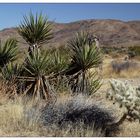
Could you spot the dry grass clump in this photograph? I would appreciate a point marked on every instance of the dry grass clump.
(18, 116)
(79, 109)
(73, 130)
(22, 117)
(18, 119)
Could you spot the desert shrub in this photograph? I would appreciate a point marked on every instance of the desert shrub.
(128, 98)
(108, 50)
(134, 51)
(120, 66)
(79, 109)
(114, 50)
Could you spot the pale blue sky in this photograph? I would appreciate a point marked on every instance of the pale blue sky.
(11, 14)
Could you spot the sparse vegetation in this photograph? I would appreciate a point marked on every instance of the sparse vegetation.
(28, 118)
(55, 93)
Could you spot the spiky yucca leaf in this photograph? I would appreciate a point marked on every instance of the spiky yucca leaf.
(57, 62)
(36, 64)
(35, 30)
(9, 75)
(10, 72)
(8, 52)
(84, 55)
(93, 82)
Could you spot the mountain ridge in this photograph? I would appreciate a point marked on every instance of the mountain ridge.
(111, 32)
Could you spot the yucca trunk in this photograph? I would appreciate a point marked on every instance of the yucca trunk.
(83, 82)
(39, 89)
(38, 84)
(32, 49)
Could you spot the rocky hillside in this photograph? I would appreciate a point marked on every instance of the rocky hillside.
(110, 32)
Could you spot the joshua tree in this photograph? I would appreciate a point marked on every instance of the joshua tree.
(8, 52)
(36, 31)
(84, 55)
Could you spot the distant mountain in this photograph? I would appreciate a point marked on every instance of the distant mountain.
(110, 32)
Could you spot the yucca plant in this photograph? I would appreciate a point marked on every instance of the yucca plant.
(89, 86)
(8, 52)
(34, 75)
(84, 55)
(10, 72)
(35, 30)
